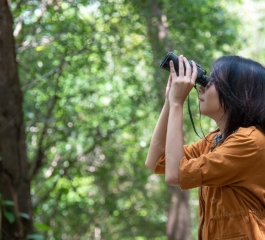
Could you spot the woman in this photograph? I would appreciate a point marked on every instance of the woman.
(228, 165)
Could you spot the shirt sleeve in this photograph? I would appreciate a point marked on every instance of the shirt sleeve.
(228, 164)
(191, 151)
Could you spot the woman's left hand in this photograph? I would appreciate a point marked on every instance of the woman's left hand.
(182, 84)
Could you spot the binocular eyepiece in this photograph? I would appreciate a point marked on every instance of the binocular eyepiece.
(201, 79)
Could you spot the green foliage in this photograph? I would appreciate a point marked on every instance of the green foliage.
(92, 88)
(35, 237)
(7, 203)
(251, 30)
(6, 207)
(9, 216)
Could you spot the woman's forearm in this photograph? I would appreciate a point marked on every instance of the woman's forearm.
(174, 144)
(158, 141)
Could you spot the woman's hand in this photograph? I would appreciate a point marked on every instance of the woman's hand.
(179, 87)
(169, 81)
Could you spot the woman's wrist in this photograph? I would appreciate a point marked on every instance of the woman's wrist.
(166, 105)
(176, 105)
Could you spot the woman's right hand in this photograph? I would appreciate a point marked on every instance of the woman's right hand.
(181, 84)
(169, 82)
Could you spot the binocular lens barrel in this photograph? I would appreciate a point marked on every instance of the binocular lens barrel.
(201, 79)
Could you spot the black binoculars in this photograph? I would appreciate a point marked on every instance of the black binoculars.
(201, 79)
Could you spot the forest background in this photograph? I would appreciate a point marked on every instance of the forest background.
(80, 96)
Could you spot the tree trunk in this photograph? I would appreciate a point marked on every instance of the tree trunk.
(178, 225)
(15, 199)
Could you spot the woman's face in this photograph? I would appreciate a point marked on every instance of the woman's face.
(209, 102)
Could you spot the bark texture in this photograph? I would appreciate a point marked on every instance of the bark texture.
(16, 219)
(178, 225)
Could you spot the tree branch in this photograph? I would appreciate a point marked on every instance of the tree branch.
(37, 163)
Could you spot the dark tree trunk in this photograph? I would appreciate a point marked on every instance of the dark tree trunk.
(16, 209)
(178, 225)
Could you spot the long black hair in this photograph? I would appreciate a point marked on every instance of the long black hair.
(240, 83)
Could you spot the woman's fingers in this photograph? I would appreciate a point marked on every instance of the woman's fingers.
(181, 67)
(187, 66)
(188, 73)
(172, 69)
(169, 81)
(194, 73)
(181, 85)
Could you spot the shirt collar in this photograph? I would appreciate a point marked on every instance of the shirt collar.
(217, 139)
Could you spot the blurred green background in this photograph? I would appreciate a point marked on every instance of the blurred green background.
(93, 91)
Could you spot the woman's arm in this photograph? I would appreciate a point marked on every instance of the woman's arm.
(179, 90)
(168, 135)
(158, 141)
(174, 144)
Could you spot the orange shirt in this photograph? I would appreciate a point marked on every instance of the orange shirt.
(231, 178)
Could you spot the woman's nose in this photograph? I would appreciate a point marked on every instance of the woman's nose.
(201, 89)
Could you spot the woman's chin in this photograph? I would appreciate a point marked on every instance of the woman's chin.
(205, 113)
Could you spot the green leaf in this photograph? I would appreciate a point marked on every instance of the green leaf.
(24, 215)
(42, 226)
(9, 216)
(35, 237)
(8, 203)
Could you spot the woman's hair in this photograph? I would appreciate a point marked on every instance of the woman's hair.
(240, 83)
